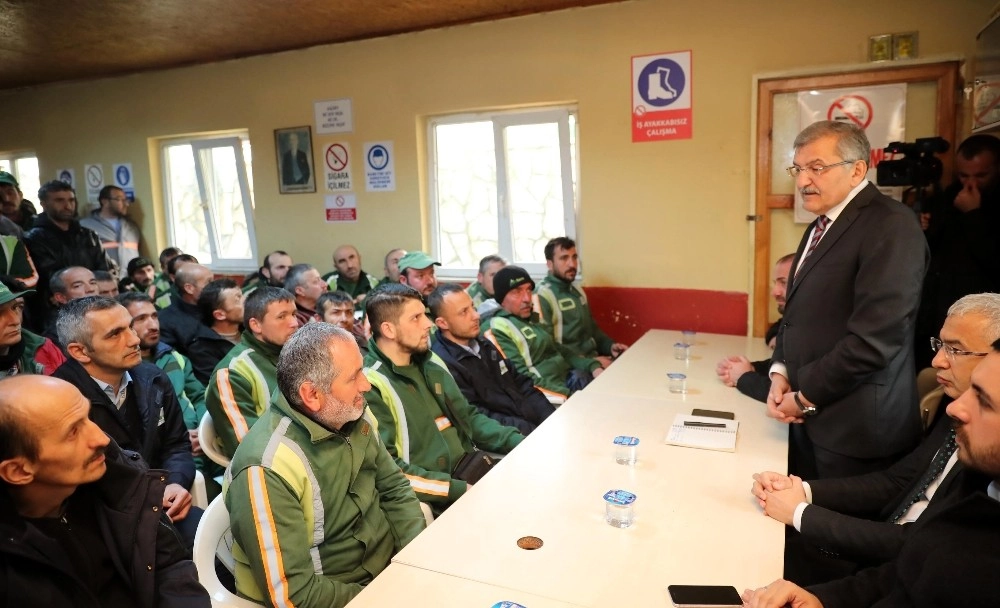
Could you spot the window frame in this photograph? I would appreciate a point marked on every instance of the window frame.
(565, 116)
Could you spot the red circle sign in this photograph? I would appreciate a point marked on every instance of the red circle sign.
(336, 157)
(851, 108)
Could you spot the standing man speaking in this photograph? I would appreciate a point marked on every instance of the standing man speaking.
(843, 362)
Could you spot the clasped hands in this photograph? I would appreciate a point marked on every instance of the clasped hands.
(781, 401)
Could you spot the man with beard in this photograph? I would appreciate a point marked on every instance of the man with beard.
(240, 388)
(563, 309)
(272, 272)
(13, 205)
(318, 507)
(119, 235)
(74, 510)
(962, 232)
(337, 308)
(133, 402)
(141, 277)
(348, 276)
(487, 379)
(416, 269)
(303, 282)
(425, 422)
(750, 378)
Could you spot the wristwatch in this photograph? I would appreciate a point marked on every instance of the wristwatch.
(807, 410)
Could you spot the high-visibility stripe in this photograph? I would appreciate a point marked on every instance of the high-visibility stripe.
(442, 422)
(544, 291)
(229, 404)
(508, 329)
(551, 392)
(422, 485)
(488, 334)
(267, 538)
(117, 244)
(391, 398)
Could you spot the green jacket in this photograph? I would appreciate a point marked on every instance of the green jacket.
(535, 352)
(478, 293)
(16, 262)
(366, 283)
(316, 514)
(190, 392)
(565, 314)
(433, 427)
(240, 389)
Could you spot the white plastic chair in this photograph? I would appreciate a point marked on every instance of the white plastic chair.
(213, 539)
(209, 441)
(199, 497)
(428, 514)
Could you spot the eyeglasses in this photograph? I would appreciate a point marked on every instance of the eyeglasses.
(794, 170)
(951, 351)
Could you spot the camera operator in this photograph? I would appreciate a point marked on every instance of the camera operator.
(963, 231)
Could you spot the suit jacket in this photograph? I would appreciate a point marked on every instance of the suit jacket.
(288, 173)
(949, 559)
(847, 334)
(848, 515)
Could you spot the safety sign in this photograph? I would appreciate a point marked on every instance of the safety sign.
(334, 116)
(123, 178)
(338, 171)
(341, 208)
(94, 175)
(661, 96)
(68, 176)
(379, 167)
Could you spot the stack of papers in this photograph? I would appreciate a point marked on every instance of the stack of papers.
(718, 434)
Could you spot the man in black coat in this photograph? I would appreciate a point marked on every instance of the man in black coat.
(949, 557)
(74, 516)
(132, 401)
(487, 380)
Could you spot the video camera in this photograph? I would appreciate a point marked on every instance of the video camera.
(919, 168)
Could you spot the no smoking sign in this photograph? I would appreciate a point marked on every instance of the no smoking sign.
(338, 172)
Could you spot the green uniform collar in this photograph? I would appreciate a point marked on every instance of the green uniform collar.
(266, 349)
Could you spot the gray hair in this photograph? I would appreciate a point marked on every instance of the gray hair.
(852, 143)
(490, 259)
(305, 357)
(294, 277)
(72, 324)
(57, 284)
(985, 304)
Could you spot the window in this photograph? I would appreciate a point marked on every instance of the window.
(209, 200)
(501, 183)
(24, 168)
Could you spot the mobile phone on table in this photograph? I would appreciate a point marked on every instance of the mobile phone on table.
(704, 596)
(714, 414)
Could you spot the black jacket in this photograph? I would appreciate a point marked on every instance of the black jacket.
(165, 443)
(493, 385)
(757, 382)
(142, 543)
(205, 351)
(179, 324)
(53, 248)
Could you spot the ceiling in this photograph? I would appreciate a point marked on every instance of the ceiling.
(46, 41)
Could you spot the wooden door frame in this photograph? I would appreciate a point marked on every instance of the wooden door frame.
(945, 74)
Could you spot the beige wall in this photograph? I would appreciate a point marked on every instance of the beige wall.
(666, 214)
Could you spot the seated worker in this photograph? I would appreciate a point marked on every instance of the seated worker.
(864, 518)
(303, 282)
(348, 276)
(416, 269)
(949, 556)
(106, 284)
(430, 430)
(74, 510)
(16, 262)
(317, 505)
(337, 308)
(189, 390)
(22, 352)
(272, 272)
(751, 378)
(65, 285)
(392, 266)
(563, 310)
(482, 289)
(133, 402)
(221, 308)
(555, 369)
(487, 380)
(181, 321)
(141, 277)
(240, 388)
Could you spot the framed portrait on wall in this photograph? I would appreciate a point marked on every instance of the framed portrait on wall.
(296, 172)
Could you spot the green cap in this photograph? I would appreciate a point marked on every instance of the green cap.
(6, 295)
(417, 260)
(7, 178)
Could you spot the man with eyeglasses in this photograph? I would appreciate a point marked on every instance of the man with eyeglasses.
(842, 372)
(119, 235)
(863, 519)
(750, 377)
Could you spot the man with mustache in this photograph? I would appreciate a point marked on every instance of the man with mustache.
(842, 370)
(74, 510)
(317, 505)
(133, 402)
(949, 557)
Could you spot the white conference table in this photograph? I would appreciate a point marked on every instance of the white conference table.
(696, 522)
(642, 370)
(400, 585)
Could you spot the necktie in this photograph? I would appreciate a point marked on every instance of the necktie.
(821, 223)
(937, 465)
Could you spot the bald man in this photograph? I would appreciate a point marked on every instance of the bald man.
(181, 321)
(348, 276)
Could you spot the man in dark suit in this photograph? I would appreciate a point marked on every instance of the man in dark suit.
(863, 518)
(843, 362)
(294, 163)
(949, 558)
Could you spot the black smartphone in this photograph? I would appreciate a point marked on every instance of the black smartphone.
(704, 596)
(713, 414)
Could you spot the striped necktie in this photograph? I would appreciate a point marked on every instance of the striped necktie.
(821, 223)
